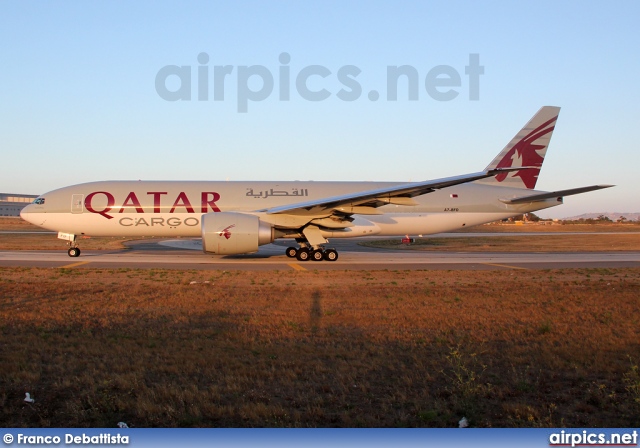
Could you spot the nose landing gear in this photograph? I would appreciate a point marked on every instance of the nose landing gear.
(74, 251)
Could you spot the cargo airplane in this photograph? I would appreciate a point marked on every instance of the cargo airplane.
(238, 217)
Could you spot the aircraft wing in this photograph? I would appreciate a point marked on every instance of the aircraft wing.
(552, 194)
(366, 202)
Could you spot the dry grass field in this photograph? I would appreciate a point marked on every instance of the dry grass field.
(559, 227)
(322, 349)
(557, 238)
(37, 238)
(51, 242)
(18, 224)
(559, 242)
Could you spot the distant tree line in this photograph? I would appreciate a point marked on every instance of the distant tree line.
(601, 219)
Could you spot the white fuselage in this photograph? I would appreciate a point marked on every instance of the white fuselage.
(175, 209)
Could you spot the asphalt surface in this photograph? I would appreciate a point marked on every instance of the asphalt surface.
(187, 254)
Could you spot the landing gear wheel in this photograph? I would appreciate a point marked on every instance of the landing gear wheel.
(331, 255)
(74, 252)
(302, 254)
(291, 252)
(317, 255)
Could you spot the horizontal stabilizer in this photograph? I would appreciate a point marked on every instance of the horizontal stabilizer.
(552, 194)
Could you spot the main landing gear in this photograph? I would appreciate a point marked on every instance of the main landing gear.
(305, 253)
(311, 246)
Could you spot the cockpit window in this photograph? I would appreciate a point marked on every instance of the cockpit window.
(39, 201)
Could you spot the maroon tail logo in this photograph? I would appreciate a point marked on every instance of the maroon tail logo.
(527, 152)
(225, 232)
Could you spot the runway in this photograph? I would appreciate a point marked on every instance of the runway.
(186, 254)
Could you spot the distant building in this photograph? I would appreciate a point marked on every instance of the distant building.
(12, 204)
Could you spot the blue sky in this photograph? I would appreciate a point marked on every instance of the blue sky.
(79, 101)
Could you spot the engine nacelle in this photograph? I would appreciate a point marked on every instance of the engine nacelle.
(229, 233)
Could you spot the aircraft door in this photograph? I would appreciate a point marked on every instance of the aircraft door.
(77, 201)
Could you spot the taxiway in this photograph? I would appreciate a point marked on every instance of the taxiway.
(186, 254)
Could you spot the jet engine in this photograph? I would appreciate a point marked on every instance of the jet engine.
(228, 233)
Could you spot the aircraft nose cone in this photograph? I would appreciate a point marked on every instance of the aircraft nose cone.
(27, 213)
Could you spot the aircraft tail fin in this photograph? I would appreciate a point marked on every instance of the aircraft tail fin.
(526, 149)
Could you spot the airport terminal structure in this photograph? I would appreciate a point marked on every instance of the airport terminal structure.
(11, 204)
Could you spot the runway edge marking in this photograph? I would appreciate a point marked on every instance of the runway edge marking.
(73, 265)
(296, 266)
(505, 266)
